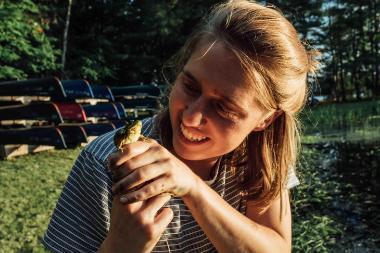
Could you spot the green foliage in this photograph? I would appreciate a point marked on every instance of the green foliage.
(335, 207)
(29, 189)
(314, 230)
(25, 51)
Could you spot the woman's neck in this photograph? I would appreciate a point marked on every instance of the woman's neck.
(202, 168)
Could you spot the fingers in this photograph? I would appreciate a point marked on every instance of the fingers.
(153, 205)
(129, 151)
(153, 154)
(138, 176)
(156, 187)
(130, 208)
(163, 219)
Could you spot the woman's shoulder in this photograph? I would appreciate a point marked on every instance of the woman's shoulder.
(103, 146)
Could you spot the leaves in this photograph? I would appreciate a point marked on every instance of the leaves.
(25, 50)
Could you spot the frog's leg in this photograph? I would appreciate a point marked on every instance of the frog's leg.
(143, 138)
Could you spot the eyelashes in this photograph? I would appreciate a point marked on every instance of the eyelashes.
(225, 112)
(221, 109)
(191, 89)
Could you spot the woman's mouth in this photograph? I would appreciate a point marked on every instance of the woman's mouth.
(192, 137)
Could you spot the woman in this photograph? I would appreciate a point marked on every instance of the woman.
(215, 173)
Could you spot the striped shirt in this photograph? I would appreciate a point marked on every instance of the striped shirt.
(81, 218)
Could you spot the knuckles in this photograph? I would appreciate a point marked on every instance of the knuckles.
(140, 175)
(150, 189)
(150, 231)
(146, 225)
(127, 165)
(142, 219)
(126, 149)
(159, 150)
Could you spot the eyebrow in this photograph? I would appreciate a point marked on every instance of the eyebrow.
(236, 107)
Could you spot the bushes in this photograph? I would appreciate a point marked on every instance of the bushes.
(25, 50)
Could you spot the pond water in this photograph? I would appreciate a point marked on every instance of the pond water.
(356, 202)
(358, 165)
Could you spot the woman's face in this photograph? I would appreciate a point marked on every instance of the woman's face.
(211, 107)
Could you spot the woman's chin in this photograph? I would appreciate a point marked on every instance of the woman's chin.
(188, 152)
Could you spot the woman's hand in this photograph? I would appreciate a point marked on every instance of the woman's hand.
(145, 169)
(137, 227)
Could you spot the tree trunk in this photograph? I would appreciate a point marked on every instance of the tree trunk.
(354, 80)
(333, 91)
(65, 34)
(341, 77)
(375, 46)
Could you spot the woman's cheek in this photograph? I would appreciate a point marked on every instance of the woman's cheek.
(176, 95)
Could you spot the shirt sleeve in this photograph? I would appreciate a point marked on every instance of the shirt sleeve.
(80, 220)
(292, 178)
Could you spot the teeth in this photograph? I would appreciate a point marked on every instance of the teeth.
(190, 136)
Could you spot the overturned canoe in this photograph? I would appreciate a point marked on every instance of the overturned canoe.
(50, 136)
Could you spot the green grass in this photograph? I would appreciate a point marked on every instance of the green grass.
(314, 229)
(29, 188)
(327, 118)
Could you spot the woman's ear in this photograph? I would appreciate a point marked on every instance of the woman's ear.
(264, 124)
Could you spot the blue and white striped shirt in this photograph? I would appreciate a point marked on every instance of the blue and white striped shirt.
(81, 218)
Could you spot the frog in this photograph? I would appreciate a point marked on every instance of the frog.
(130, 133)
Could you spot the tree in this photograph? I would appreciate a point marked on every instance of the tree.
(25, 50)
(66, 30)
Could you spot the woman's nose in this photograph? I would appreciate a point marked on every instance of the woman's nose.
(194, 114)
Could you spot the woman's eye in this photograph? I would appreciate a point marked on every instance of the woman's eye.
(225, 112)
(190, 88)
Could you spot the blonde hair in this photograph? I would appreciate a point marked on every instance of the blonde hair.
(277, 65)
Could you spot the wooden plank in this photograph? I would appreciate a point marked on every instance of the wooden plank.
(9, 151)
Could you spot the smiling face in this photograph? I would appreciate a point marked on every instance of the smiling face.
(212, 108)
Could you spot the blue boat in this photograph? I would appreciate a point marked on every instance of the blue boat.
(50, 136)
(34, 111)
(73, 134)
(98, 128)
(140, 103)
(120, 110)
(137, 91)
(119, 123)
(101, 110)
(102, 92)
(51, 87)
(10, 102)
(77, 89)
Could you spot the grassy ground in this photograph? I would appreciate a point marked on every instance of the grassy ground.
(343, 116)
(29, 188)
